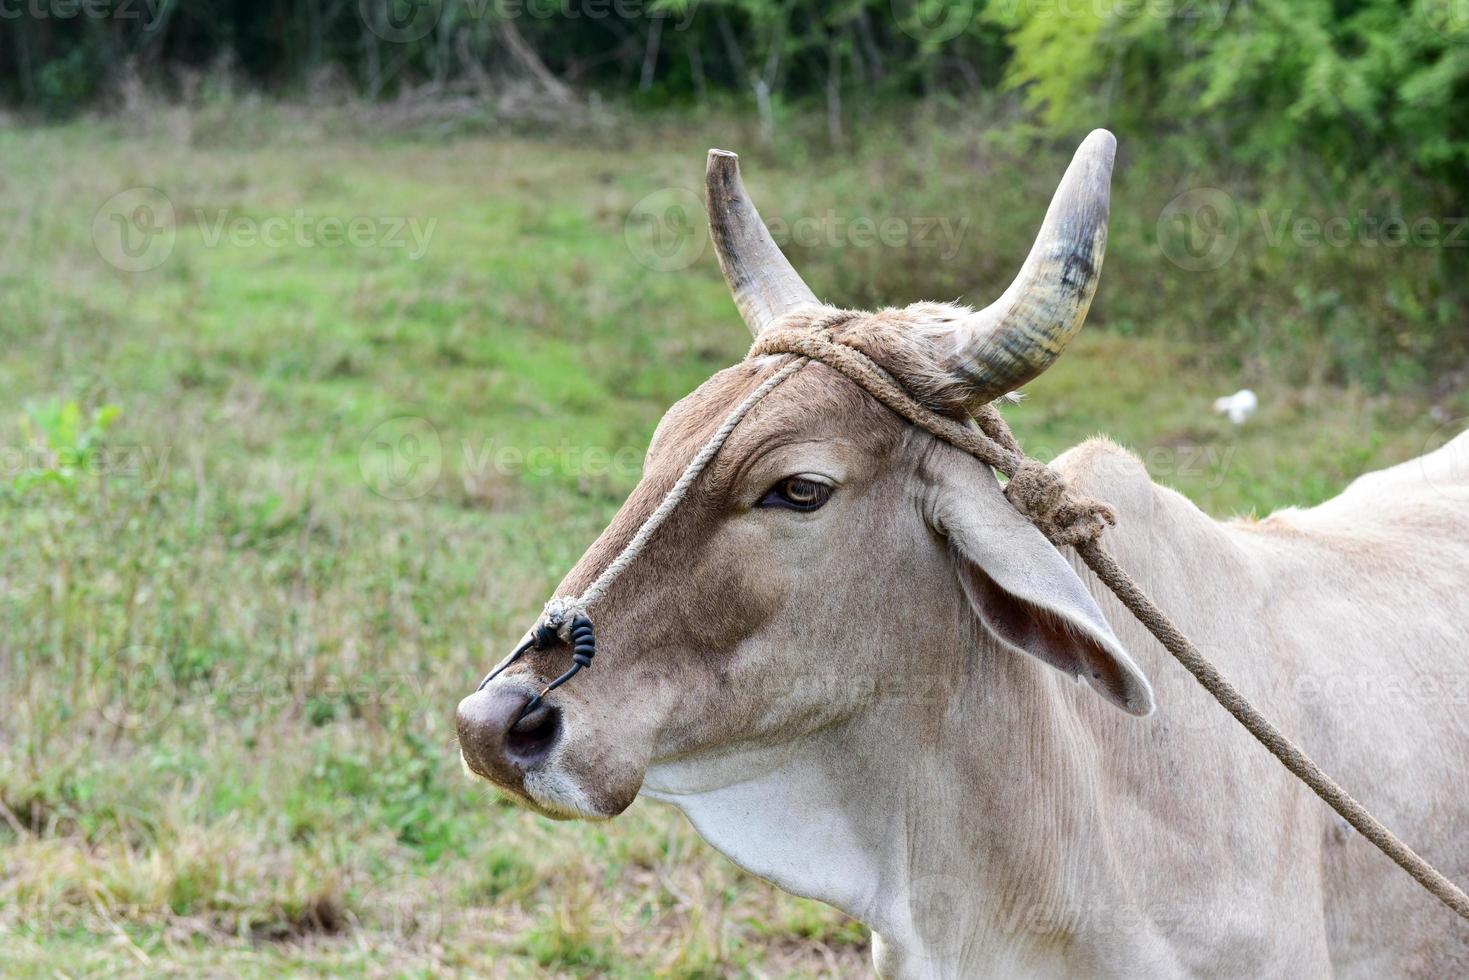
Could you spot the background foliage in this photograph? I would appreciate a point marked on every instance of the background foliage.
(1312, 111)
(1361, 83)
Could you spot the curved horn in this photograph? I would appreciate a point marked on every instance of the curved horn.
(1015, 338)
(764, 284)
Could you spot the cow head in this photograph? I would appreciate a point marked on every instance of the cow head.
(828, 545)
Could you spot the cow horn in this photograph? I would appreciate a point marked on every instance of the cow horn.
(765, 285)
(1015, 338)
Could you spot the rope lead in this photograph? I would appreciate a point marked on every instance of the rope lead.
(1067, 517)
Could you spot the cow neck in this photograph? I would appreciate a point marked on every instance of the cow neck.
(911, 826)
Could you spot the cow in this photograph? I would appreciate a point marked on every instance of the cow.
(864, 676)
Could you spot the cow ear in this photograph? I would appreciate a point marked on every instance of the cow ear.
(1025, 593)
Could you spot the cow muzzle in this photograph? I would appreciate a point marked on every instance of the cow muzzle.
(497, 742)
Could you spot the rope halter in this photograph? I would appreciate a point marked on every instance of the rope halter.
(1037, 491)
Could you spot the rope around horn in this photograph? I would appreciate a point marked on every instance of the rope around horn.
(1067, 517)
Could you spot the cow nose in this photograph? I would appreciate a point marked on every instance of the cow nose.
(496, 741)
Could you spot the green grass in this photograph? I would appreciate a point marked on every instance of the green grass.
(231, 648)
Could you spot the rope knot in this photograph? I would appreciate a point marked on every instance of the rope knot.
(557, 618)
(1062, 515)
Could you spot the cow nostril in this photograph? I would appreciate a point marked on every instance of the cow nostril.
(496, 741)
(531, 738)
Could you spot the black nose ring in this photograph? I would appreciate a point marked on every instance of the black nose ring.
(583, 649)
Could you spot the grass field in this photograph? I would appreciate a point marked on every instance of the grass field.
(273, 504)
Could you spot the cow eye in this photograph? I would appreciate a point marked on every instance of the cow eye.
(797, 493)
